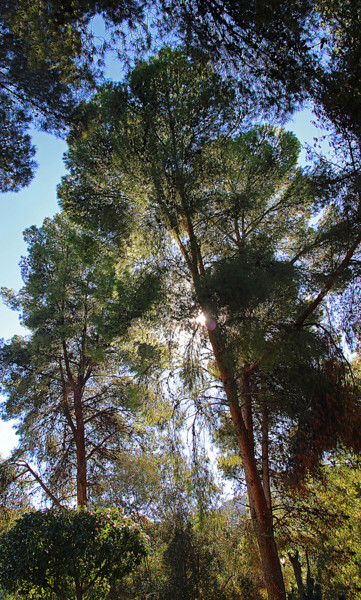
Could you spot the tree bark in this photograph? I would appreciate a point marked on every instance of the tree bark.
(260, 512)
(78, 589)
(310, 582)
(261, 515)
(246, 405)
(265, 458)
(81, 462)
(296, 565)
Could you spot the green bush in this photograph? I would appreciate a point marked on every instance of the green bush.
(65, 554)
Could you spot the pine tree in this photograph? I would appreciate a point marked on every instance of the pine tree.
(231, 209)
(65, 383)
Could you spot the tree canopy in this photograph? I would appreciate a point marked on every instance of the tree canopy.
(233, 208)
(47, 62)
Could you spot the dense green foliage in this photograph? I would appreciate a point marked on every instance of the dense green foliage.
(28, 93)
(284, 52)
(208, 559)
(47, 62)
(237, 208)
(67, 385)
(320, 525)
(68, 553)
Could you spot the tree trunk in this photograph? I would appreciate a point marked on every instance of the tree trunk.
(296, 565)
(310, 582)
(265, 458)
(261, 517)
(260, 512)
(78, 589)
(246, 405)
(81, 465)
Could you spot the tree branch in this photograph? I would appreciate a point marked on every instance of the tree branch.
(23, 463)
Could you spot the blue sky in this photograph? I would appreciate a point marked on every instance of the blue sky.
(33, 204)
(25, 208)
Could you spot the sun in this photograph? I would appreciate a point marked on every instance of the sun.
(201, 319)
(204, 321)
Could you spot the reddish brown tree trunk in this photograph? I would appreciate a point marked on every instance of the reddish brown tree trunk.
(260, 512)
(246, 405)
(265, 458)
(81, 463)
(262, 517)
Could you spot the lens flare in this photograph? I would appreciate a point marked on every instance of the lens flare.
(201, 319)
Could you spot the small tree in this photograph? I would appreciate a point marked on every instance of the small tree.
(69, 553)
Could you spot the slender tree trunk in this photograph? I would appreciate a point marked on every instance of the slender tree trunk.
(310, 582)
(260, 512)
(81, 463)
(78, 589)
(247, 416)
(296, 565)
(77, 427)
(265, 457)
(261, 517)
(246, 404)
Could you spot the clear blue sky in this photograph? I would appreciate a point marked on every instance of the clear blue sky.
(33, 204)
